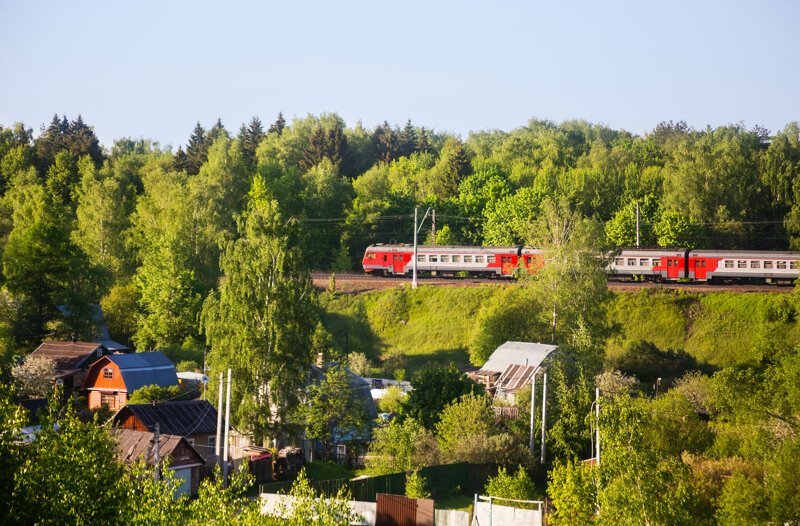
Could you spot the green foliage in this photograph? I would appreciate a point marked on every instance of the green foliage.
(741, 502)
(464, 427)
(434, 389)
(417, 486)
(573, 490)
(403, 445)
(310, 509)
(393, 400)
(518, 486)
(647, 362)
(120, 308)
(154, 393)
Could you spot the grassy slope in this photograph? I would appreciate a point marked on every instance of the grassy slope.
(432, 324)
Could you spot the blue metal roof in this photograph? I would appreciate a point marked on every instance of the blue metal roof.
(146, 368)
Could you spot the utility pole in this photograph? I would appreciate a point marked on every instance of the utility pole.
(637, 224)
(533, 411)
(157, 452)
(544, 415)
(219, 421)
(433, 226)
(416, 231)
(227, 428)
(597, 420)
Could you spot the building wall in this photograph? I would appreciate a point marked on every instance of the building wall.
(96, 380)
(119, 400)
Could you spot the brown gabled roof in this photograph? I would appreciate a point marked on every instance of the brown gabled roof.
(133, 445)
(70, 356)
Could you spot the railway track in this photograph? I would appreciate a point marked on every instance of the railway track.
(354, 282)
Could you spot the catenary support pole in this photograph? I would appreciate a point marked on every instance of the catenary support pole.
(219, 420)
(597, 421)
(157, 452)
(433, 225)
(544, 415)
(533, 412)
(637, 224)
(227, 428)
(414, 263)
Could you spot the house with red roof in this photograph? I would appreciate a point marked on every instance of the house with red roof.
(113, 378)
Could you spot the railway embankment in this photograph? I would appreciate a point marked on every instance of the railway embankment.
(405, 329)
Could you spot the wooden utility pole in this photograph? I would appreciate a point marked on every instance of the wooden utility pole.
(227, 428)
(157, 452)
(219, 421)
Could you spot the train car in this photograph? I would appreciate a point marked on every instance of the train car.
(434, 260)
(656, 264)
(722, 266)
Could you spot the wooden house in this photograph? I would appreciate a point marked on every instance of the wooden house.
(113, 378)
(511, 367)
(71, 360)
(182, 458)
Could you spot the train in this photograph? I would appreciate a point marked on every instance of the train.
(640, 264)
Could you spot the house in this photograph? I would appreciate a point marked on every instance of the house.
(182, 458)
(112, 378)
(71, 360)
(194, 420)
(511, 367)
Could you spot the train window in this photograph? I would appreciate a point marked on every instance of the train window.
(371, 255)
(768, 264)
(728, 263)
(478, 259)
(702, 262)
(631, 262)
(445, 258)
(619, 261)
(467, 259)
(421, 258)
(644, 262)
(384, 257)
(741, 264)
(456, 259)
(781, 265)
(656, 262)
(490, 259)
(755, 264)
(433, 259)
(669, 262)
(398, 257)
(793, 264)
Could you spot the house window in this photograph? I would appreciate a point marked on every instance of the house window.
(107, 399)
(741, 264)
(99, 352)
(108, 373)
(467, 259)
(445, 258)
(478, 259)
(619, 261)
(768, 264)
(643, 262)
(456, 259)
(728, 263)
(656, 262)
(421, 258)
(631, 262)
(212, 445)
(341, 450)
(781, 265)
(755, 264)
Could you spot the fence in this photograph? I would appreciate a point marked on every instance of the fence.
(441, 481)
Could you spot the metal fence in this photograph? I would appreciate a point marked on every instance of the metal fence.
(441, 481)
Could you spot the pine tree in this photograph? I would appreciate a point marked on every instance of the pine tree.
(278, 126)
(197, 149)
(250, 137)
(407, 140)
(180, 162)
(385, 142)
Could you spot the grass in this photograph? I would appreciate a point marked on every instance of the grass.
(457, 501)
(327, 471)
(413, 329)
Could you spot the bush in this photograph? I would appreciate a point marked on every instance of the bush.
(647, 362)
(416, 486)
(518, 486)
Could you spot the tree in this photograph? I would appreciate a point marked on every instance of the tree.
(393, 400)
(151, 502)
(260, 320)
(35, 377)
(518, 486)
(573, 490)
(674, 229)
(359, 363)
(434, 388)
(417, 486)
(332, 409)
(154, 393)
(12, 419)
(197, 149)
(464, 428)
(308, 508)
(76, 462)
(250, 137)
(120, 310)
(403, 445)
(278, 126)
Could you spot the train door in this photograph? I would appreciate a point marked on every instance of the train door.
(674, 268)
(386, 263)
(398, 263)
(700, 269)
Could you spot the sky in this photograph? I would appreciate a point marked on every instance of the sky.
(153, 69)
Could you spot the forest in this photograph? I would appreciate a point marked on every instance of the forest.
(140, 228)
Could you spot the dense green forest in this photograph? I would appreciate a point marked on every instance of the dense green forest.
(140, 228)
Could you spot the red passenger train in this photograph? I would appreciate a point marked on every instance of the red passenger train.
(715, 266)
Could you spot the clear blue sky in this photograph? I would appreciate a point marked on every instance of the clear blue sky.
(154, 68)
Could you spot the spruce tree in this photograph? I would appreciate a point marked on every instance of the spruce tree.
(407, 140)
(384, 140)
(197, 149)
(180, 161)
(278, 125)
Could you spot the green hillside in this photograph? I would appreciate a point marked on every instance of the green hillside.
(408, 329)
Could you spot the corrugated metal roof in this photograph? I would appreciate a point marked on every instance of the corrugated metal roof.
(515, 377)
(132, 445)
(70, 356)
(517, 353)
(183, 418)
(146, 368)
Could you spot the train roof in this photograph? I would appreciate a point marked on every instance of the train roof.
(651, 252)
(445, 248)
(758, 254)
